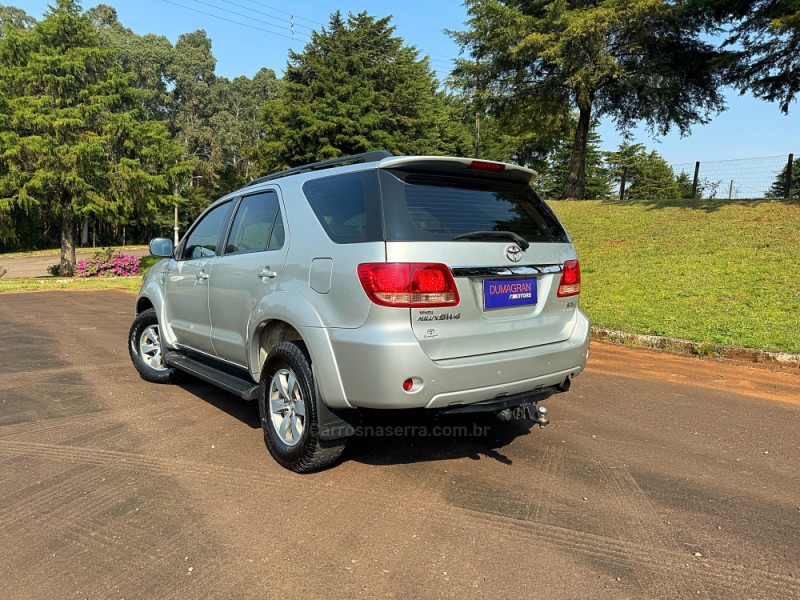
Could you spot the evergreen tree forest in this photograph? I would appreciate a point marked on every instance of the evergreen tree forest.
(105, 132)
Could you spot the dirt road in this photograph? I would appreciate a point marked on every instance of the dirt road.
(660, 477)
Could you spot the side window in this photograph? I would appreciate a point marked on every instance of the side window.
(278, 233)
(257, 225)
(347, 206)
(202, 241)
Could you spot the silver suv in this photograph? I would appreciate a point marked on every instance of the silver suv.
(368, 282)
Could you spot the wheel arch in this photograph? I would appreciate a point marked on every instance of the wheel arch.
(269, 334)
(280, 316)
(142, 304)
(152, 296)
(289, 317)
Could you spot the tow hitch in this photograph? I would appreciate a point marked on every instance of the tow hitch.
(537, 414)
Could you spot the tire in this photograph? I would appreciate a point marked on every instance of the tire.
(144, 345)
(288, 409)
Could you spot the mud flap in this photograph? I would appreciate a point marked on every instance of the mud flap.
(336, 423)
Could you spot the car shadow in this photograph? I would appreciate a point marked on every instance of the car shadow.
(246, 412)
(395, 437)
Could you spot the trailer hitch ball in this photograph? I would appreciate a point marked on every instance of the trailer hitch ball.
(538, 414)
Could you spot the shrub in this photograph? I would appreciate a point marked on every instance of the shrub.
(108, 263)
(54, 270)
(147, 261)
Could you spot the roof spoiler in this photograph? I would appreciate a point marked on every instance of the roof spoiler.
(460, 166)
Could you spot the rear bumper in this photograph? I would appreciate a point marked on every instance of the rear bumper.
(372, 374)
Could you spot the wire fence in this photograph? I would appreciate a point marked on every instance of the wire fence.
(765, 177)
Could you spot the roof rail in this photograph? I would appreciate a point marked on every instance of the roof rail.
(364, 157)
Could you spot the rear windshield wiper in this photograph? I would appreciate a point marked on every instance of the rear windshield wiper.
(486, 235)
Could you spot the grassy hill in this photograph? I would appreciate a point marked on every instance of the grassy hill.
(712, 271)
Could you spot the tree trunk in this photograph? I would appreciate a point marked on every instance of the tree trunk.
(477, 134)
(67, 242)
(85, 232)
(575, 184)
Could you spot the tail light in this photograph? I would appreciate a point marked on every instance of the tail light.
(411, 285)
(570, 284)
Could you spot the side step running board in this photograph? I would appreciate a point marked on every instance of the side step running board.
(245, 389)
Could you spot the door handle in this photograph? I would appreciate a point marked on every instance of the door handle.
(202, 276)
(267, 274)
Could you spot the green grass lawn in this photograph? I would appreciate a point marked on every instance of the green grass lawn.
(40, 284)
(710, 271)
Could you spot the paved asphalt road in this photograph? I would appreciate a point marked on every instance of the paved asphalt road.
(660, 477)
(36, 265)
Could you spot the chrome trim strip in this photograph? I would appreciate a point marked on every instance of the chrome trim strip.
(505, 271)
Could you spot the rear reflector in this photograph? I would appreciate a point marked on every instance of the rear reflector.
(570, 284)
(482, 165)
(411, 285)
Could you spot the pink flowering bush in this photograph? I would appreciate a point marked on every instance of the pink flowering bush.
(108, 263)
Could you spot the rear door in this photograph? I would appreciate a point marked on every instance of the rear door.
(249, 269)
(508, 294)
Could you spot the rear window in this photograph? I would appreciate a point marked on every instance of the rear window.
(425, 207)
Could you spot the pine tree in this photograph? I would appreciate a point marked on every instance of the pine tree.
(647, 176)
(778, 187)
(73, 137)
(655, 181)
(355, 88)
(684, 183)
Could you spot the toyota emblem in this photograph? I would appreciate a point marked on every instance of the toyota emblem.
(513, 253)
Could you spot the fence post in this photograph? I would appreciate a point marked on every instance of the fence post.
(788, 189)
(696, 179)
(622, 187)
(730, 191)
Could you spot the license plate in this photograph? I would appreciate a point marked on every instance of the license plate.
(502, 293)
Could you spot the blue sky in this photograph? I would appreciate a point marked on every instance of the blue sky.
(749, 128)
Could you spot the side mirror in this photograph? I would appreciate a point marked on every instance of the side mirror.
(161, 247)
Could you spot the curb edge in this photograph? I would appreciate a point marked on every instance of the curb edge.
(783, 359)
